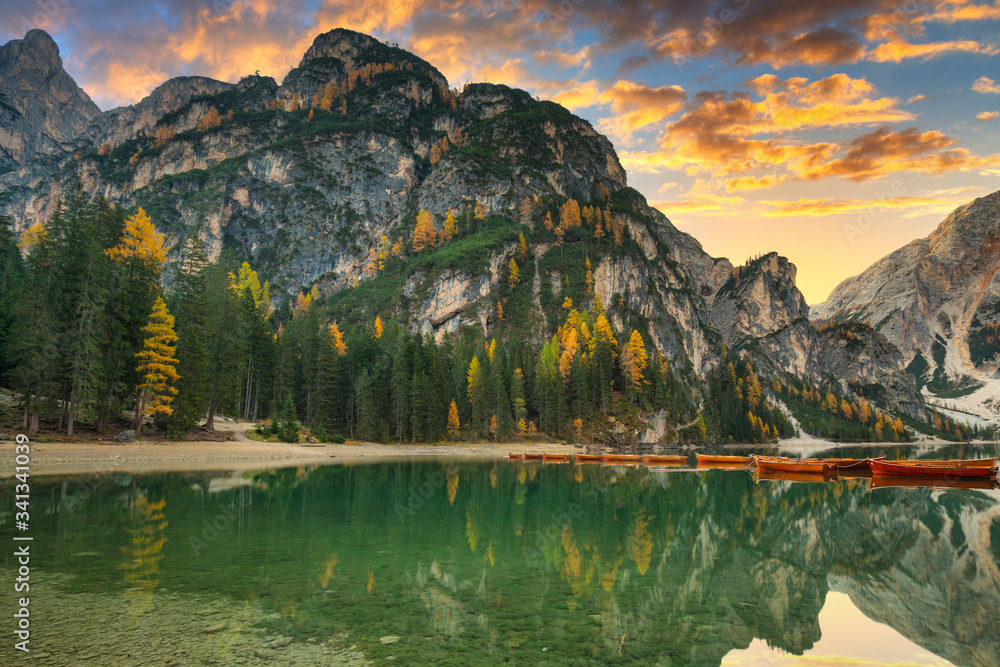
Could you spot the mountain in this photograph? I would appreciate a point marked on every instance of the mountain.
(41, 108)
(311, 179)
(937, 300)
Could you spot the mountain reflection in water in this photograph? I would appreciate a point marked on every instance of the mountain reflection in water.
(483, 562)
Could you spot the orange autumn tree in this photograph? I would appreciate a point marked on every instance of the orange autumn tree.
(453, 422)
(157, 365)
(514, 274)
(377, 331)
(140, 242)
(423, 233)
(338, 339)
(450, 229)
(634, 361)
(209, 120)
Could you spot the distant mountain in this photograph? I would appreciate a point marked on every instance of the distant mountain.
(937, 299)
(41, 108)
(305, 180)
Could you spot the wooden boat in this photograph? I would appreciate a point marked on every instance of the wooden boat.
(767, 463)
(622, 458)
(705, 460)
(532, 457)
(853, 464)
(664, 458)
(893, 481)
(973, 463)
(945, 470)
(514, 457)
(782, 476)
(556, 458)
(589, 458)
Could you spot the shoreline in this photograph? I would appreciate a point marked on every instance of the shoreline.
(241, 453)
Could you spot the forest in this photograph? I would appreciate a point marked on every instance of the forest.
(94, 330)
(99, 332)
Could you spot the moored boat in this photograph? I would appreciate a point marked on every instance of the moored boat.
(589, 458)
(955, 470)
(664, 458)
(622, 458)
(853, 464)
(556, 458)
(532, 457)
(973, 463)
(705, 460)
(767, 463)
(514, 457)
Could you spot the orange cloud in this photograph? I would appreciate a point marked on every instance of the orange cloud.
(636, 106)
(896, 51)
(988, 115)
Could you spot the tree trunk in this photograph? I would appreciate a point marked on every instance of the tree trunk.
(27, 411)
(210, 422)
(33, 428)
(137, 418)
(69, 419)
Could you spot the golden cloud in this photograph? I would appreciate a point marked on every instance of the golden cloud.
(985, 84)
(896, 51)
(988, 115)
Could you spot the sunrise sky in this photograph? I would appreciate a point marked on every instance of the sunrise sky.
(832, 132)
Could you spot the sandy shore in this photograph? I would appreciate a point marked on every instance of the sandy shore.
(62, 458)
(68, 458)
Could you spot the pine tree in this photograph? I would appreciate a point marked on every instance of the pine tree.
(289, 431)
(477, 393)
(157, 365)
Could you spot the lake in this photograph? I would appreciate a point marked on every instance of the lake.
(457, 562)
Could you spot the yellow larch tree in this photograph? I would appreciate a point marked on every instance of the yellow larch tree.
(338, 339)
(378, 327)
(423, 233)
(209, 120)
(453, 422)
(522, 247)
(157, 365)
(513, 274)
(140, 242)
(450, 229)
(634, 360)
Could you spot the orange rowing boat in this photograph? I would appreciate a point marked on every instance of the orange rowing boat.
(712, 460)
(589, 458)
(532, 457)
(664, 458)
(947, 471)
(972, 463)
(513, 457)
(556, 458)
(622, 458)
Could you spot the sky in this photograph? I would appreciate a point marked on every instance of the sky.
(832, 132)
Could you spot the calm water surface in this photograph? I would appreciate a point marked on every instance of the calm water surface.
(456, 563)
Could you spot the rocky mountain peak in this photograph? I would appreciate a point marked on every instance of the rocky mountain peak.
(760, 298)
(356, 49)
(41, 107)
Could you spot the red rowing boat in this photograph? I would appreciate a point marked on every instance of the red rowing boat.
(664, 458)
(705, 460)
(589, 458)
(947, 471)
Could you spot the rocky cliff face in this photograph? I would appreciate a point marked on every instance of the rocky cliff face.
(305, 188)
(933, 297)
(41, 108)
(760, 309)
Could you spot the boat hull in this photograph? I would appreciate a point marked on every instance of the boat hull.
(664, 459)
(796, 465)
(953, 471)
(705, 460)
